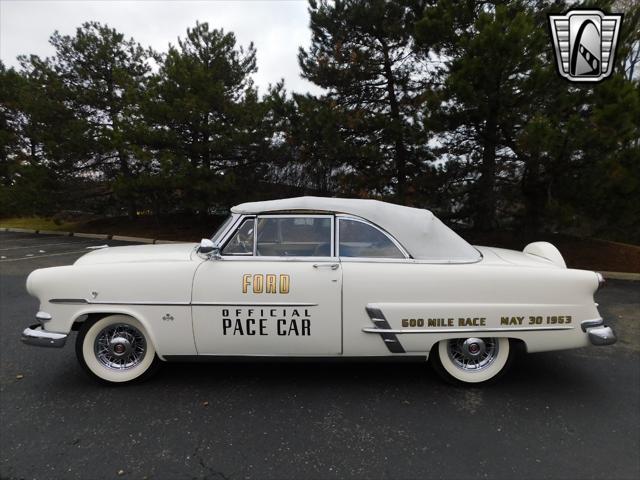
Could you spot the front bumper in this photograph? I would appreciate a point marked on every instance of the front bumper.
(35, 335)
(599, 333)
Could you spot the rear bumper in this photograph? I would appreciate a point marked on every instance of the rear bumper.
(36, 336)
(599, 333)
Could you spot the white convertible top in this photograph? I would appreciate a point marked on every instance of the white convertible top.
(417, 230)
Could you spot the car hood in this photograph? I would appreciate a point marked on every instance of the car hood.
(492, 255)
(173, 252)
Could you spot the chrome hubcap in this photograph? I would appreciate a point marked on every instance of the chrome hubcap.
(472, 354)
(120, 347)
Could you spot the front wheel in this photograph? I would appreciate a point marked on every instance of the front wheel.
(471, 360)
(116, 349)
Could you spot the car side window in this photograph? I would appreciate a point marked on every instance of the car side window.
(242, 241)
(358, 239)
(294, 236)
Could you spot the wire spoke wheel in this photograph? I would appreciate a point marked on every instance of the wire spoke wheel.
(116, 349)
(120, 346)
(472, 354)
(471, 360)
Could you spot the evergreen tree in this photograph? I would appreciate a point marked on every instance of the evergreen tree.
(207, 117)
(97, 78)
(362, 53)
(490, 76)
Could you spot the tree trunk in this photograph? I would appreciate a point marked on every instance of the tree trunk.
(486, 213)
(533, 194)
(132, 208)
(400, 153)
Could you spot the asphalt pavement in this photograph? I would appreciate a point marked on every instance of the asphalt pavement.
(569, 414)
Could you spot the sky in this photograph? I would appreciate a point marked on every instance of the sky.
(277, 28)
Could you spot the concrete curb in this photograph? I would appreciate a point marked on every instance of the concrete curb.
(123, 238)
(92, 235)
(20, 230)
(99, 236)
(55, 232)
(160, 242)
(633, 277)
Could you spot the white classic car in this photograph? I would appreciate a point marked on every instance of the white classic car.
(317, 277)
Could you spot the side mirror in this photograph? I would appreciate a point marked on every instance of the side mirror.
(206, 246)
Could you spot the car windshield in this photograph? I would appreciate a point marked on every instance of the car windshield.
(223, 227)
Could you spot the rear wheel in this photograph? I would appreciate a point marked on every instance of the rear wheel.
(471, 360)
(116, 349)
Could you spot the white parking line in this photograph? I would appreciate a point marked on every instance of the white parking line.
(42, 256)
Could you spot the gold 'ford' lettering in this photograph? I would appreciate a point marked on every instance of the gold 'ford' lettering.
(284, 283)
(271, 283)
(265, 283)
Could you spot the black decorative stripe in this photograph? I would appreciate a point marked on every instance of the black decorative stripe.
(380, 321)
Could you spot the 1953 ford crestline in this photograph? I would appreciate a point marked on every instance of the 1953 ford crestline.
(317, 277)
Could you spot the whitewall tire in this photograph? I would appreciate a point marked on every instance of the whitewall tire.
(471, 360)
(116, 349)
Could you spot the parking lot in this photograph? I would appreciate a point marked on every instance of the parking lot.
(569, 414)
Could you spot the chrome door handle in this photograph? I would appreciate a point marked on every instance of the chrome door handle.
(332, 266)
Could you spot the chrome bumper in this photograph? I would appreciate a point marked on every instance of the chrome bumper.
(35, 335)
(599, 333)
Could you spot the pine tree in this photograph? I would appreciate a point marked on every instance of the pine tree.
(362, 53)
(98, 78)
(207, 117)
(491, 54)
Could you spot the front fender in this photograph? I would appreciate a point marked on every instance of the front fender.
(158, 294)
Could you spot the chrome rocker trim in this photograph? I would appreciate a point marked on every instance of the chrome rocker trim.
(464, 330)
(36, 336)
(599, 333)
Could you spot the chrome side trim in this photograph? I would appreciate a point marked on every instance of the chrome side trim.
(386, 358)
(36, 336)
(254, 304)
(251, 258)
(115, 302)
(69, 301)
(185, 304)
(463, 330)
(84, 301)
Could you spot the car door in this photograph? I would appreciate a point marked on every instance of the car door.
(275, 289)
